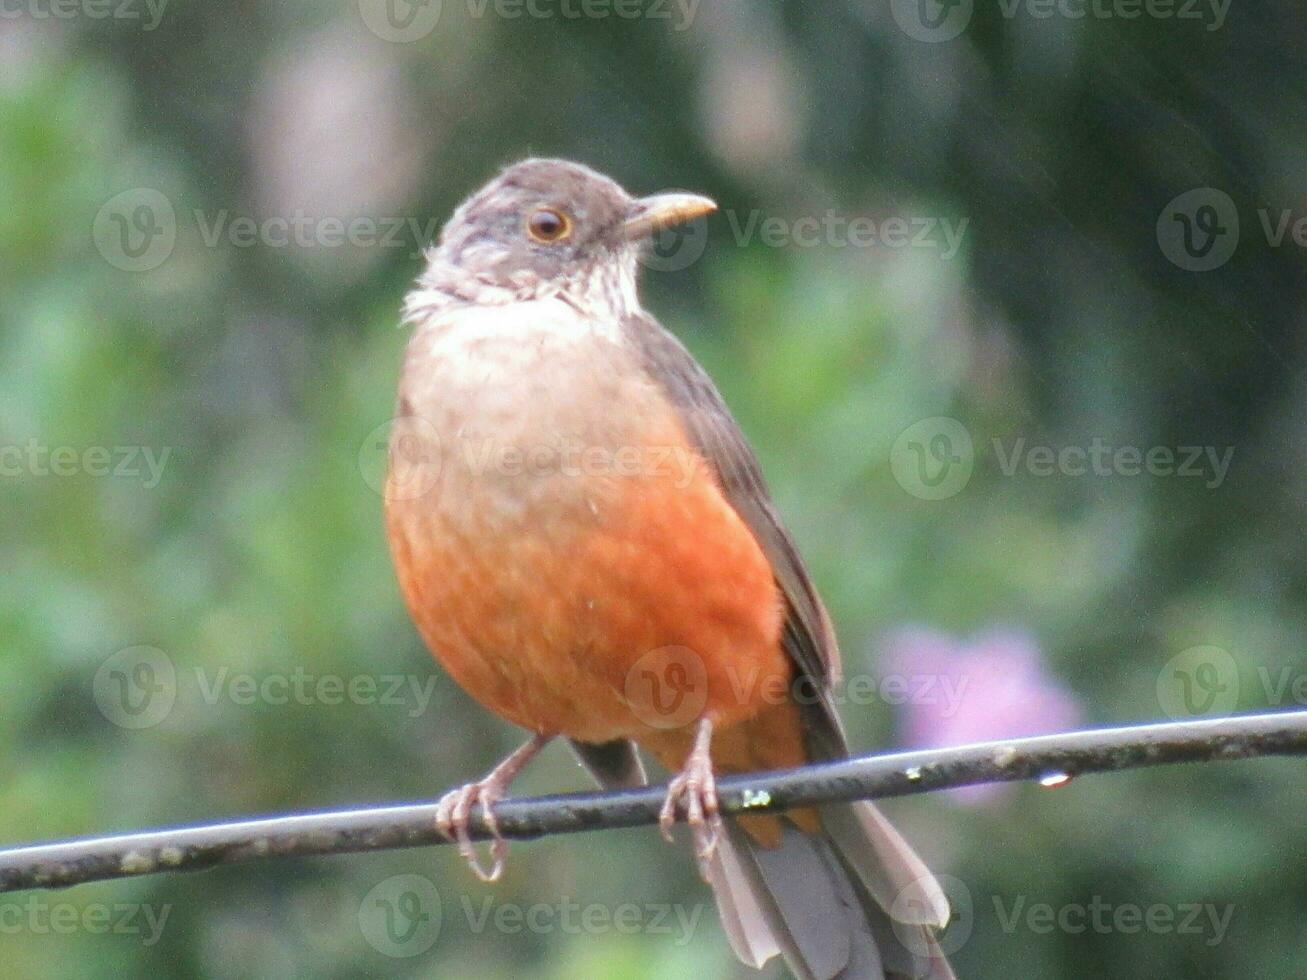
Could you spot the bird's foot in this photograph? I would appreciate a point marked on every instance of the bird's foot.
(694, 788)
(454, 811)
(454, 815)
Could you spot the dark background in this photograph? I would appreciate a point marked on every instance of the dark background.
(157, 628)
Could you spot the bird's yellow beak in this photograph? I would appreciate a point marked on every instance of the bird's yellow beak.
(650, 215)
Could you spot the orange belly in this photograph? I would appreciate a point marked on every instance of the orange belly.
(610, 605)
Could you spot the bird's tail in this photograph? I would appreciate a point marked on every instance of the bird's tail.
(853, 902)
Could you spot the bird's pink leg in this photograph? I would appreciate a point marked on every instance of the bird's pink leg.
(454, 812)
(695, 788)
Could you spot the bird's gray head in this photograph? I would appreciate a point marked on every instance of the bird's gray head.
(544, 228)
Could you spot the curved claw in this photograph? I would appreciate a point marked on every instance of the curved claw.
(695, 788)
(454, 815)
(454, 811)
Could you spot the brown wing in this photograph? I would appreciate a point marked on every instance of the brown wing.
(808, 637)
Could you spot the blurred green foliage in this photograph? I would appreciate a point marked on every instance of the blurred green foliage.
(266, 369)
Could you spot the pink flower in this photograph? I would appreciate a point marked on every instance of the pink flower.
(994, 687)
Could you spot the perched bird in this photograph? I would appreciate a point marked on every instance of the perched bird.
(584, 539)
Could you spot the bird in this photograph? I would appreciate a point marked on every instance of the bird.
(584, 539)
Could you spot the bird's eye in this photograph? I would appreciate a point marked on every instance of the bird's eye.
(548, 225)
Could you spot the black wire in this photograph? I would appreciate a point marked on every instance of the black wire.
(1050, 758)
